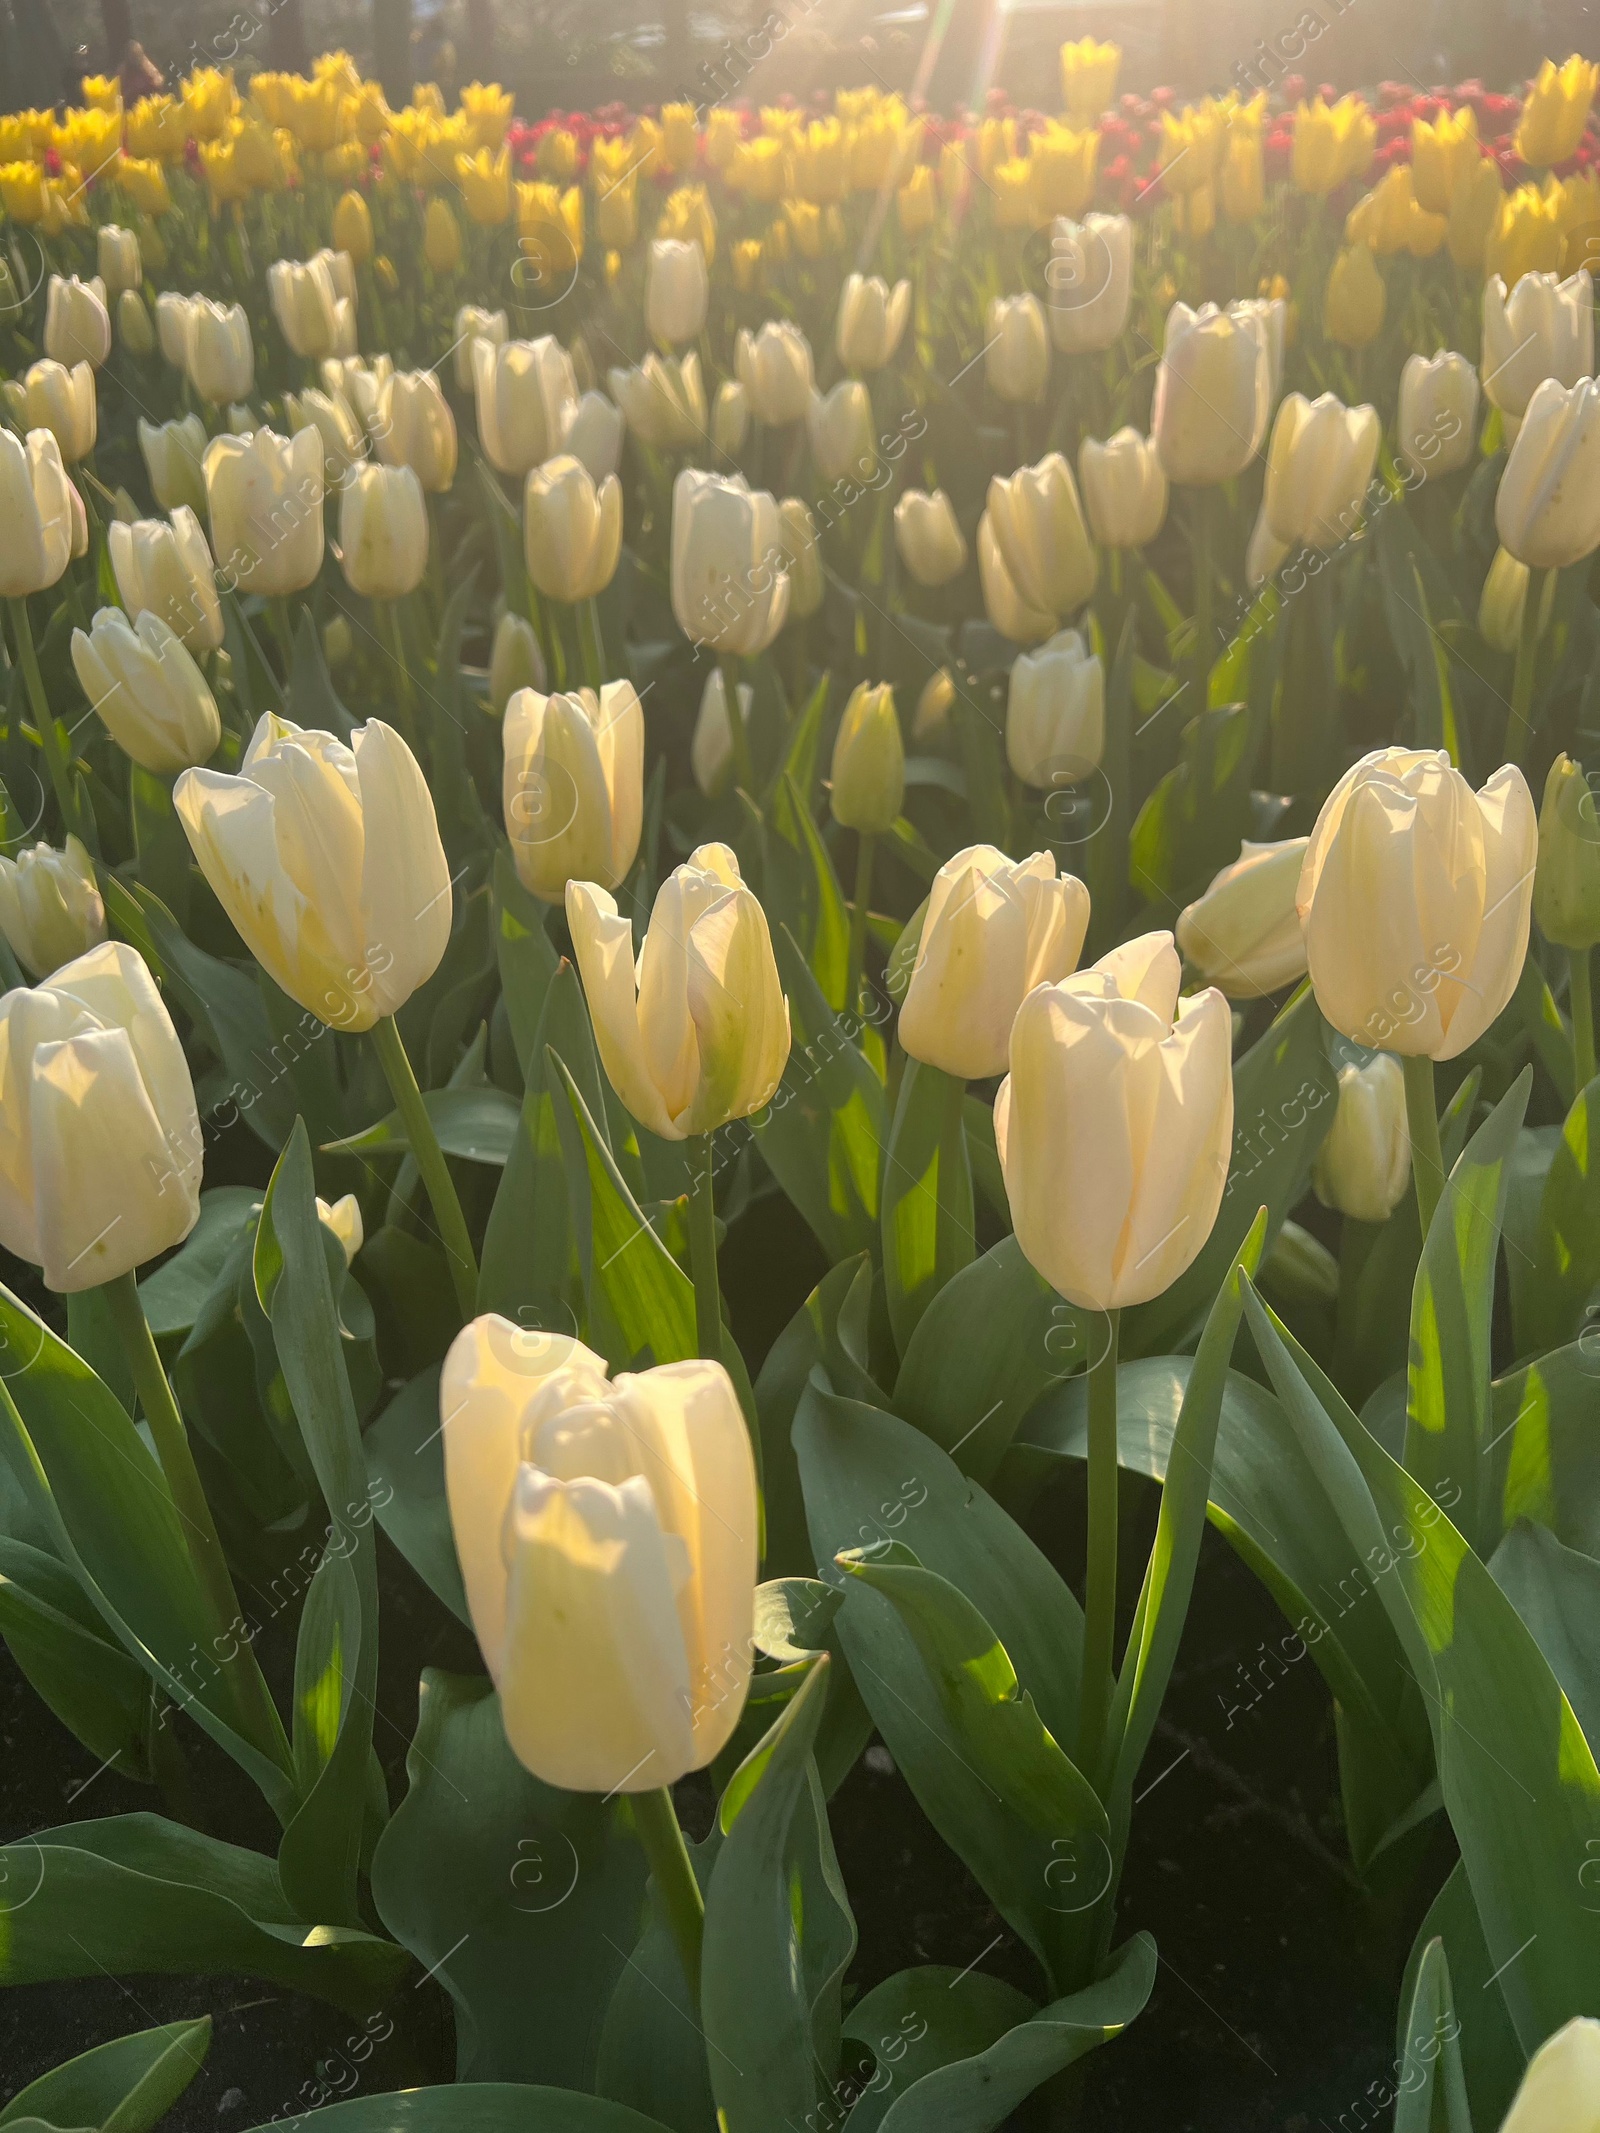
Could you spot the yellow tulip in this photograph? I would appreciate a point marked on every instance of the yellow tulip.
(155, 128)
(549, 235)
(1526, 235)
(997, 144)
(1473, 213)
(145, 183)
(955, 177)
(1012, 185)
(103, 92)
(558, 153)
(1062, 167)
(1556, 111)
(1332, 142)
(352, 227)
(1243, 181)
(917, 201)
(746, 264)
(22, 191)
(1193, 144)
(680, 136)
(485, 182)
(441, 238)
(487, 108)
(644, 147)
(759, 168)
(804, 219)
(209, 102)
(688, 213)
(724, 135)
(1443, 153)
(617, 212)
(1089, 78)
(1389, 220)
(366, 115)
(1353, 304)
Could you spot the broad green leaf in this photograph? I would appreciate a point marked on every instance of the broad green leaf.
(920, 2020)
(312, 699)
(138, 1893)
(124, 2086)
(405, 1466)
(482, 2107)
(824, 924)
(517, 1897)
(817, 1334)
(174, 1295)
(85, 1677)
(1544, 1452)
(1556, 1592)
(522, 946)
(1491, 2058)
(792, 1617)
(927, 1196)
(652, 2052)
(778, 1933)
(1431, 2082)
(479, 1125)
(1567, 1248)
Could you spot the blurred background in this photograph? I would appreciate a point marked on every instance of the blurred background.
(586, 53)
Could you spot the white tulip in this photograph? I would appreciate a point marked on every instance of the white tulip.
(930, 542)
(1016, 355)
(413, 427)
(1035, 559)
(1244, 933)
(523, 390)
(148, 692)
(711, 749)
(265, 493)
(50, 397)
(50, 906)
(1318, 467)
(1543, 329)
(344, 441)
(872, 318)
(1547, 508)
(1437, 426)
(117, 256)
(218, 353)
(839, 425)
(677, 290)
(1089, 281)
(1056, 713)
(473, 324)
(573, 786)
(663, 401)
(77, 325)
(383, 531)
(774, 367)
(572, 529)
(730, 418)
(172, 455)
(1363, 1167)
(1213, 395)
(592, 432)
(39, 509)
(730, 589)
(1124, 488)
(168, 570)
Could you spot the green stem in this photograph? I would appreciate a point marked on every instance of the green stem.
(429, 1159)
(1422, 1123)
(407, 691)
(57, 761)
(1582, 1004)
(258, 1716)
(593, 645)
(1518, 729)
(1100, 1585)
(744, 770)
(283, 630)
(866, 845)
(656, 1820)
(1200, 538)
(703, 1249)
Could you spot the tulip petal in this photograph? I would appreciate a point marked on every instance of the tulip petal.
(603, 943)
(406, 904)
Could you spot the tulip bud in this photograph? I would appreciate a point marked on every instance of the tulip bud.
(1213, 394)
(697, 1031)
(1363, 1167)
(265, 499)
(172, 328)
(993, 929)
(608, 1533)
(343, 898)
(441, 238)
(343, 1220)
(1318, 467)
(172, 454)
(413, 427)
(802, 557)
(839, 425)
(1244, 934)
(344, 441)
(1035, 561)
(149, 693)
(1543, 329)
(591, 431)
(168, 570)
(117, 256)
(77, 325)
(573, 786)
(135, 328)
(869, 762)
(218, 354)
(730, 590)
(50, 907)
(304, 302)
(352, 228)
(1115, 1125)
(1124, 488)
(774, 367)
(1547, 508)
(515, 661)
(51, 397)
(1398, 963)
(475, 325)
(934, 705)
(1089, 281)
(102, 1162)
(338, 642)
(358, 384)
(663, 401)
(38, 509)
(573, 529)
(930, 542)
(711, 750)
(730, 418)
(1016, 356)
(383, 531)
(1056, 713)
(1566, 885)
(677, 290)
(1555, 113)
(523, 390)
(872, 319)
(1505, 595)
(1353, 305)
(1438, 419)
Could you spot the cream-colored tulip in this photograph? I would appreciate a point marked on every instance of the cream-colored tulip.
(1273, 314)
(328, 861)
(135, 328)
(172, 328)
(414, 427)
(264, 493)
(572, 786)
(1363, 1167)
(711, 749)
(934, 705)
(774, 366)
(1560, 2091)
(1543, 329)
(1318, 467)
(172, 454)
(572, 529)
(1016, 353)
(516, 660)
(730, 418)
(117, 256)
(1213, 396)
(677, 290)
(50, 397)
(608, 1534)
(994, 928)
(1124, 488)
(77, 325)
(344, 440)
(1547, 508)
(1089, 281)
(342, 1219)
(839, 426)
(802, 557)
(50, 906)
(1115, 1125)
(592, 432)
(1415, 895)
(931, 544)
(1244, 934)
(305, 304)
(1502, 601)
(1056, 713)
(100, 1145)
(359, 384)
(473, 324)
(696, 1031)
(168, 570)
(383, 531)
(868, 772)
(218, 353)
(663, 401)
(150, 695)
(1035, 559)
(730, 586)
(523, 390)
(1437, 426)
(872, 318)
(38, 514)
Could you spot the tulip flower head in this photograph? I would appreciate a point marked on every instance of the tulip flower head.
(730, 589)
(149, 694)
(523, 390)
(1547, 508)
(1560, 2091)
(1566, 886)
(1318, 467)
(1363, 1167)
(1438, 420)
(1035, 560)
(1213, 394)
(516, 660)
(774, 367)
(264, 493)
(662, 401)
(1016, 354)
(1244, 933)
(1124, 488)
(50, 397)
(1556, 111)
(711, 749)
(868, 774)
(413, 427)
(592, 431)
(1055, 713)
(167, 569)
(50, 906)
(677, 290)
(1543, 329)
(383, 531)
(1089, 281)
(39, 510)
(573, 786)
(77, 325)
(572, 529)
(927, 536)
(172, 452)
(872, 318)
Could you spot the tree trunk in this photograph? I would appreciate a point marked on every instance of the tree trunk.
(36, 57)
(391, 48)
(116, 20)
(287, 49)
(478, 58)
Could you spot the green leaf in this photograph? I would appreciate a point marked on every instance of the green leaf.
(1556, 1592)
(1544, 1452)
(124, 2086)
(1198, 815)
(817, 1334)
(522, 947)
(778, 1931)
(405, 1467)
(927, 1196)
(312, 699)
(514, 1895)
(652, 2048)
(480, 1125)
(1448, 1399)
(1431, 2081)
(174, 1295)
(85, 1677)
(138, 1893)
(920, 2020)
(1491, 2058)
(824, 924)
(1567, 1250)
(484, 2107)
(792, 1617)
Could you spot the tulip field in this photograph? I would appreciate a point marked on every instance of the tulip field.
(796, 913)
